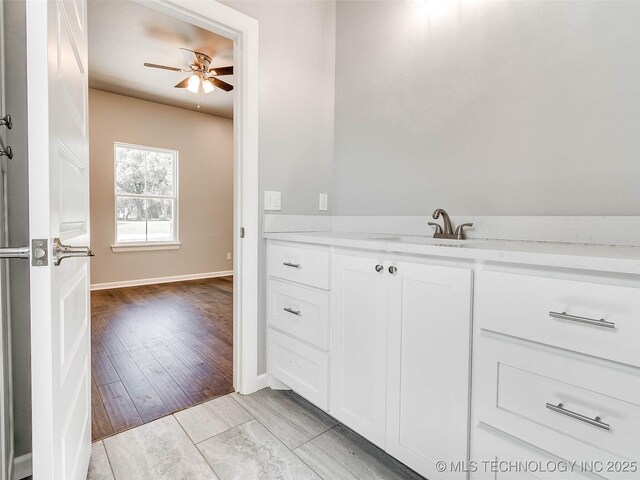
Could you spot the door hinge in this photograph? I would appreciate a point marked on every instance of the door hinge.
(39, 252)
(241, 232)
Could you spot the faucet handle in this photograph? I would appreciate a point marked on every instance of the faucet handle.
(459, 233)
(438, 227)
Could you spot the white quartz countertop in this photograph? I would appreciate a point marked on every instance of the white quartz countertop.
(614, 259)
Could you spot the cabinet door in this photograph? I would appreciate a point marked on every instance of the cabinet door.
(359, 345)
(429, 366)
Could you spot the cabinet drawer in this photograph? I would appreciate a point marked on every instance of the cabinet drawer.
(498, 457)
(301, 367)
(300, 312)
(519, 387)
(298, 264)
(600, 420)
(532, 308)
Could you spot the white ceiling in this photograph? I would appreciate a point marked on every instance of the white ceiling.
(123, 35)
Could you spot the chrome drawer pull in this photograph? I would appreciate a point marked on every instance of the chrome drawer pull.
(291, 310)
(589, 321)
(292, 265)
(596, 422)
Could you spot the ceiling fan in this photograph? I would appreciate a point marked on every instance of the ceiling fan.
(203, 78)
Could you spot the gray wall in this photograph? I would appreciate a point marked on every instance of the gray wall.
(18, 206)
(297, 73)
(491, 108)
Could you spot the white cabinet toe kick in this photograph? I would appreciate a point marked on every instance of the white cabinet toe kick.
(463, 368)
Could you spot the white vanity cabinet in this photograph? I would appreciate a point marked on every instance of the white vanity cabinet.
(381, 338)
(381, 342)
(401, 357)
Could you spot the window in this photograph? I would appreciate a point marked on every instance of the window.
(146, 190)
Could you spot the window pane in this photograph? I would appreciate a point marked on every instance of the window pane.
(144, 220)
(159, 174)
(131, 222)
(130, 170)
(159, 220)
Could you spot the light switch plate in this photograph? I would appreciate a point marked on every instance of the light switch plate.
(323, 204)
(272, 200)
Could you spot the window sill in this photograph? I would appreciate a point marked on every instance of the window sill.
(143, 247)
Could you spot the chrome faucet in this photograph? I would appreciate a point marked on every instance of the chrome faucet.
(447, 231)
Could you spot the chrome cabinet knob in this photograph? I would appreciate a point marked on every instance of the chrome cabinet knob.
(393, 270)
(379, 268)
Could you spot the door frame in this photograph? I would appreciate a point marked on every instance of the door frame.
(6, 377)
(243, 30)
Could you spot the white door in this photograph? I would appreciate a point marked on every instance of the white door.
(429, 367)
(359, 345)
(57, 95)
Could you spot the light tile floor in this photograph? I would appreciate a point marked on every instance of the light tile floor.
(268, 435)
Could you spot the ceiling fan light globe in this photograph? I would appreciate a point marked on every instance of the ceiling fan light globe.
(194, 84)
(207, 86)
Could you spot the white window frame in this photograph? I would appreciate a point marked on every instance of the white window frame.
(141, 246)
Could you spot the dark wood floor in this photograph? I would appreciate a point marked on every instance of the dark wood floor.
(157, 349)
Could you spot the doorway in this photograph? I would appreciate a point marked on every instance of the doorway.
(162, 215)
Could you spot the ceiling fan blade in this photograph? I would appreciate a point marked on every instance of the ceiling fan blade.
(219, 71)
(183, 83)
(164, 67)
(220, 84)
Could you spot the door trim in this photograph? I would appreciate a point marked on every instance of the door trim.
(243, 30)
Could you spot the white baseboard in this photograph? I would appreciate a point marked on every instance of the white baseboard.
(262, 381)
(22, 467)
(153, 281)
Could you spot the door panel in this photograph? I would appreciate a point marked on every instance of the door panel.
(359, 346)
(73, 200)
(429, 366)
(59, 199)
